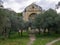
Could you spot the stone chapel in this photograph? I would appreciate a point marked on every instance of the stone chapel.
(31, 11)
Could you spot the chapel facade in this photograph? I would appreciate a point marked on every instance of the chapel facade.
(31, 11)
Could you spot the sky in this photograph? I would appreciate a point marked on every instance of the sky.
(20, 5)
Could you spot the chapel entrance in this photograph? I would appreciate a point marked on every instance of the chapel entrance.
(31, 19)
(32, 16)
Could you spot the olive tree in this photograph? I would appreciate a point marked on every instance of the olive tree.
(46, 20)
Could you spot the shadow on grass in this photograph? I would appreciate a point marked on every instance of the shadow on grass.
(16, 36)
(47, 35)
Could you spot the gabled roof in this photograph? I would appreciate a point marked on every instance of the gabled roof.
(32, 5)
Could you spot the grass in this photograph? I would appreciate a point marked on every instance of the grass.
(57, 43)
(16, 40)
(44, 39)
(41, 39)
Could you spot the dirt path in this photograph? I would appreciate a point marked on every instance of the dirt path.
(32, 39)
(50, 43)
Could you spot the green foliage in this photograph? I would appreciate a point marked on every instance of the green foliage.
(19, 14)
(46, 19)
(4, 20)
(12, 21)
(49, 19)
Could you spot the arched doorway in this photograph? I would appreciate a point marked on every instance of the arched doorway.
(32, 16)
(31, 19)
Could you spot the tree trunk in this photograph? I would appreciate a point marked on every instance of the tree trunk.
(9, 33)
(39, 30)
(56, 30)
(18, 33)
(45, 30)
(4, 33)
(48, 31)
(21, 33)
